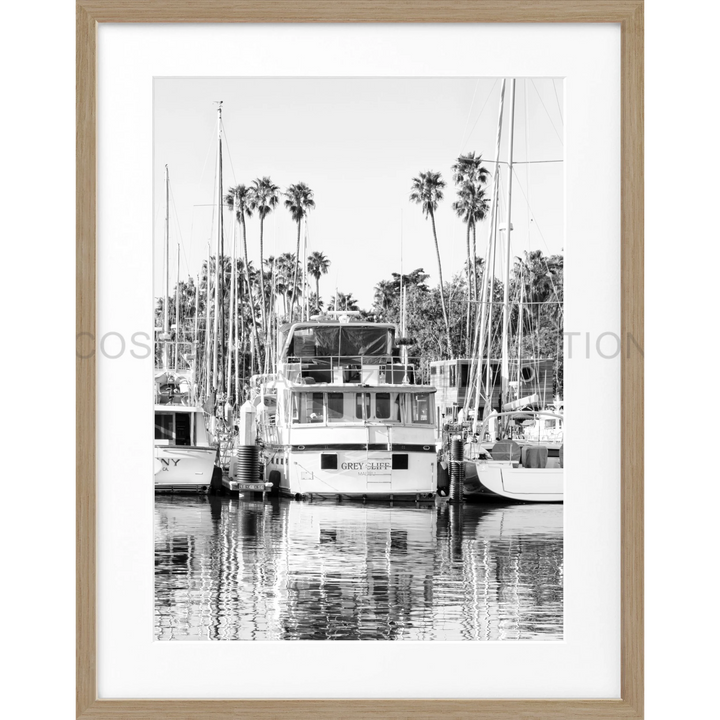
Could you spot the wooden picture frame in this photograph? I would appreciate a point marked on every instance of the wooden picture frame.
(629, 15)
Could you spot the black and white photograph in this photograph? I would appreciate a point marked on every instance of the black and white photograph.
(358, 358)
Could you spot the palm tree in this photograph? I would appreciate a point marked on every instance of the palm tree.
(299, 201)
(317, 265)
(469, 168)
(540, 280)
(284, 270)
(344, 301)
(471, 206)
(316, 302)
(238, 199)
(268, 277)
(469, 171)
(427, 191)
(385, 293)
(264, 199)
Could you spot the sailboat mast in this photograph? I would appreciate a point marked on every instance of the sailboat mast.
(177, 312)
(489, 380)
(306, 285)
(520, 324)
(403, 313)
(217, 361)
(235, 320)
(505, 369)
(486, 293)
(196, 344)
(221, 245)
(208, 356)
(233, 310)
(166, 279)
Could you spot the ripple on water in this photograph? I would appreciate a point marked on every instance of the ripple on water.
(228, 569)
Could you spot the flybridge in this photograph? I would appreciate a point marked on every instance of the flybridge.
(342, 352)
(338, 339)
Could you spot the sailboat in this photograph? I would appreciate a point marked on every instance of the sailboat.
(184, 457)
(514, 451)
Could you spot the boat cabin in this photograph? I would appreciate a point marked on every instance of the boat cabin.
(178, 425)
(451, 378)
(336, 405)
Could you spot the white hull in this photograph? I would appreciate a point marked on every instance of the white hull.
(359, 473)
(182, 467)
(502, 480)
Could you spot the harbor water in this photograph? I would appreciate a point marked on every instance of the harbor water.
(242, 569)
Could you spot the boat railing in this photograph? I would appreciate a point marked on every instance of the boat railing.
(350, 369)
(171, 395)
(269, 434)
(225, 444)
(480, 431)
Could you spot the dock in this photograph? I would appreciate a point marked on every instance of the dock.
(235, 486)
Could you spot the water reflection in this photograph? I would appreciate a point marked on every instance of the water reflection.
(229, 569)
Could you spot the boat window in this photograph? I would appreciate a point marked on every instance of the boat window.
(335, 407)
(382, 406)
(362, 399)
(164, 426)
(388, 407)
(420, 410)
(365, 341)
(303, 344)
(348, 341)
(308, 408)
(317, 413)
(342, 408)
(182, 429)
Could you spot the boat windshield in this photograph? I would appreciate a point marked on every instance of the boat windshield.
(341, 341)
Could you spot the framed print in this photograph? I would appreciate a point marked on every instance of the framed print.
(380, 271)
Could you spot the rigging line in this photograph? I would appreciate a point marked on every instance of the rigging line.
(523, 162)
(159, 243)
(177, 225)
(546, 111)
(537, 224)
(527, 154)
(480, 115)
(207, 155)
(513, 302)
(232, 169)
(467, 119)
(547, 267)
(192, 228)
(213, 205)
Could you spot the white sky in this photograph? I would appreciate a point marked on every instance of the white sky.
(357, 143)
